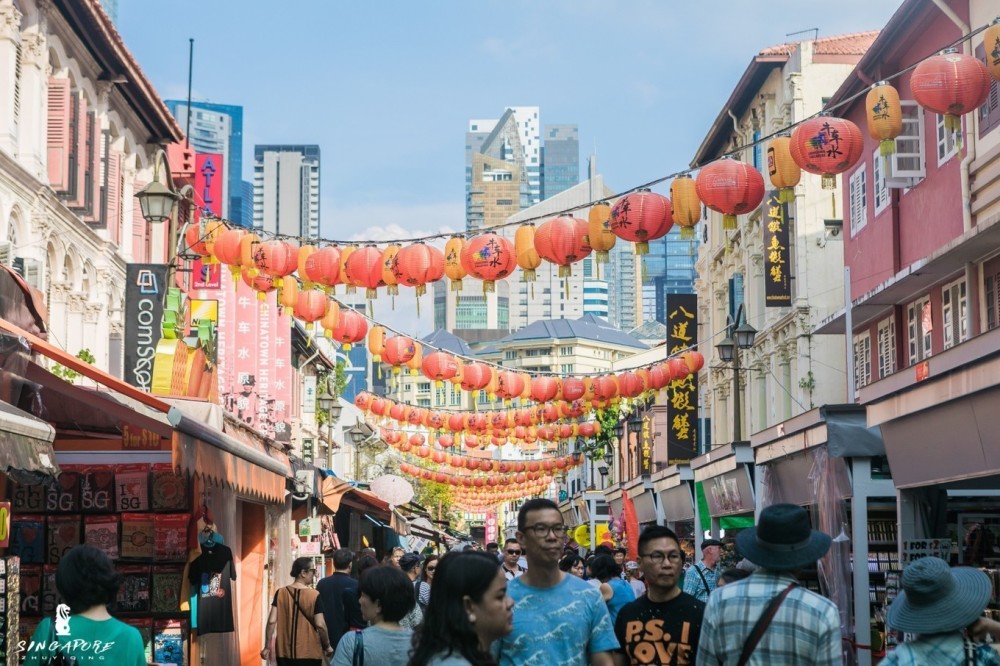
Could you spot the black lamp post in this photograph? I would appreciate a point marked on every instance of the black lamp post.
(729, 352)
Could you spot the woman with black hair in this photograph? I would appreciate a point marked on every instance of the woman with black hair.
(572, 563)
(467, 612)
(605, 569)
(87, 581)
(385, 595)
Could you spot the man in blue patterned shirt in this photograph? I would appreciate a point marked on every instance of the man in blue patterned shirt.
(806, 627)
(700, 580)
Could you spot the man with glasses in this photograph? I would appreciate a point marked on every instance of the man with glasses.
(558, 618)
(663, 626)
(511, 554)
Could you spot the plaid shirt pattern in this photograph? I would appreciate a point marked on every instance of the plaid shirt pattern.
(805, 630)
(693, 584)
(940, 650)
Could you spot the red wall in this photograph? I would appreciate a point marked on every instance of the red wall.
(930, 213)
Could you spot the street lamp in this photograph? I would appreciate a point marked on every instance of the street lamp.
(729, 352)
(157, 200)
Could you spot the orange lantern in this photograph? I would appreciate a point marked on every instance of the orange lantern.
(524, 250)
(685, 205)
(601, 238)
(323, 267)
(389, 262)
(345, 254)
(418, 358)
(311, 305)
(288, 295)
(376, 343)
(248, 247)
(305, 251)
(350, 329)
(562, 241)
(276, 258)
(488, 257)
(439, 366)
(398, 351)
(694, 359)
(826, 146)
(364, 269)
(331, 319)
(782, 170)
(640, 217)
(453, 268)
(227, 248)
(730, 187)
(951, 84)
(194, 241)
(884, 116)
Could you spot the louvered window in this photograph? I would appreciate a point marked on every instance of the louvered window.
(858, 200)
(862, 360)
(989, 112)
(58, 135)
(886, 347)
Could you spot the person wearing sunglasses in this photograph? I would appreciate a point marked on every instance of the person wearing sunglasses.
(511, 554)
(425, 580)
(558, 618)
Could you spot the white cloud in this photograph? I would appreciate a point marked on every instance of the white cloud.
(382, 223)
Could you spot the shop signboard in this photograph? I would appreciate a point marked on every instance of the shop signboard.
(646, 445)
(682, 394)
(209, 175)
(136, 438)
(145, 286)
(777, 257)
(491, 526)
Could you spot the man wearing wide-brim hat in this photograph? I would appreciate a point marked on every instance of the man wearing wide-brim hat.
(804, 627)
(937, 603)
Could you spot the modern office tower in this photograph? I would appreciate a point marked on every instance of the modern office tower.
(531, 147)
(470, 308)
(560, 159)
(286, 189)
(667, 269)
(624, 274)
(218, 128)
(246, 188)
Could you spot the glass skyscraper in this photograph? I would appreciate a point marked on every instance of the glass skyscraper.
(560, 159)
(668, 269)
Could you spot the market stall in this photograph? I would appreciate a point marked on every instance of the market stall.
(640, 491)
(724, 482)
(674, 488)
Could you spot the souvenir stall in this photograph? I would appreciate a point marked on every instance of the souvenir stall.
(674, 488)
(725, 476)
(640, 491)
(941, 441)
(829, 461)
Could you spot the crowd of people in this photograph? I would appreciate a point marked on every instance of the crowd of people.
(535, 604)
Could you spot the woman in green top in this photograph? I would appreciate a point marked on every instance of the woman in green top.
(87, 581)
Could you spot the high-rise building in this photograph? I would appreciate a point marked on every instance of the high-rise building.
(246, 188)
(667, 269)
(560, 159)
(624, 274)
(286, 189)
(218, 128)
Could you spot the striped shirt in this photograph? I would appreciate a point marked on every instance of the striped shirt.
(940, 650)
(805, 630)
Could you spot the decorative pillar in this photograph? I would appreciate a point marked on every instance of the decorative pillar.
(75, 339)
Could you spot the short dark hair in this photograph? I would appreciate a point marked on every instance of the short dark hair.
(604, 568)
(535, 504)
(86, 578)
(391, 588)
(623, 551)
(301, 564)
(603, 550)
(569, 561)
(492, 544)
(510, 541)
(342, 558)
(364, 563)
(654, 532)
(733, 574)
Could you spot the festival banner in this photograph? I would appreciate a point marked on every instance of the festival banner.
(777, 268)
(682, 404)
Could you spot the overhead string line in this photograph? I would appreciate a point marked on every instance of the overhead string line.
(649, 184)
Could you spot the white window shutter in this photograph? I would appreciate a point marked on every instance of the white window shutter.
(6, 253)
(858, 200)
(907, 166)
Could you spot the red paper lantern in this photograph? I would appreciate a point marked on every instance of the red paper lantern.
(630, 385)
(351, 328)
(641, 217)
(323, 267)
(730, 187)
(694, 359)
(544, 389)
(563, 241)
(398, 350)
(605, 388)
(573, 388)
(659, 376)
(260, 283)
(446, 441)
(826, 146)
(489, 257)
(419, 264)
(439, 366)
(363, 401)
(364, 269)
(475, 376)
(276, 258)
(510, 384)
(311, 305)
(678, 368)
(456, 422)
(227, 246)
(379, 406)
(951, 84)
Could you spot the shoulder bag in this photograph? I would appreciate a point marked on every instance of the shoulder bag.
(359, 649)
(704, 580)
(58, 658)
(763, 622)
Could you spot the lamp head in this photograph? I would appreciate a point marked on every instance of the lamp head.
(726, 349)
(745, 334)
(157, 202)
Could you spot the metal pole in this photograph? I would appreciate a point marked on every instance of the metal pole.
(187, 128)
(849, 335)
(737, 417)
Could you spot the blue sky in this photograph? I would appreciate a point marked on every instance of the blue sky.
(387, 88)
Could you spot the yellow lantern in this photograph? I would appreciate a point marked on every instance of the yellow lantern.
(288, 295)
(418, 358)
(453, 262)
(330, 320)
(248, 245)
(599, 230)
(457, 379)
(884, 115)
(213, 229)
(376, 343)
(388, 261)
(686, 205)
(344, 254)
(782, 169)
(991, 43)
(527, 256)
(304, 252)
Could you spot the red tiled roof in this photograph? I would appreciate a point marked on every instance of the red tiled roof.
(855, 43)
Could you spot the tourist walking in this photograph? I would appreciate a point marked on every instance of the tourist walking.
(633, 577)
(767, 618)
(470, 609)
(572, 564)
(296, 626)
(558, 618)
(87, 582)
(427, 572)
(339, 594)
(385, 596)
(701, 578)
(663, 626)
(619, 593)
(410, 564)
(511, 554)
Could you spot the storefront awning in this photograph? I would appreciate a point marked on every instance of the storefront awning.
(332, 490)
(25, 443)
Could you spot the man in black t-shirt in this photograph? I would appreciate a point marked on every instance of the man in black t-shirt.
(339, 593)
(663, 626)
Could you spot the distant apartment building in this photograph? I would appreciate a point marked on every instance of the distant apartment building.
(286, 189)
(421, 391)
(218, 128)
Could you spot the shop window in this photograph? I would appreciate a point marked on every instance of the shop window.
(989, 112)
(857, 192)
(886, 347)
(919, 324)
(992, 301)
(862, 360)
(880, 190)
(953, 311)
(947, 141)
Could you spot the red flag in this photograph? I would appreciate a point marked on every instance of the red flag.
(631, 527)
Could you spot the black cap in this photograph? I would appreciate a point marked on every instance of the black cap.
(710, 542)
(409, 560)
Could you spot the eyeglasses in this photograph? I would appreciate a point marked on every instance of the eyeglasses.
(541, 530)
(656, 557)
(513, 552)
(429, 569)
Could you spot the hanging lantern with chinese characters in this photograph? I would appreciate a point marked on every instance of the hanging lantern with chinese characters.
(488, 257)
(782, 170)
(526, 254)
(276, 258)
(730, 187)
(389, 261)
(884, 116)
(562, 241)
(686, 206)
(453, 269)
(951, 84)
(439, 366)
(826, 146)
(640, 217)
(600, 235)
(323, 267)
(418, 265)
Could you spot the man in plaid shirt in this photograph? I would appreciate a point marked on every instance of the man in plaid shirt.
(806, 626)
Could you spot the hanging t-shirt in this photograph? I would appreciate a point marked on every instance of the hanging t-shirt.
(663, 633)
(211, 575)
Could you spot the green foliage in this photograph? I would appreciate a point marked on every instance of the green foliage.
(607, 418)
(69, 374)
(335, 381)
(431, 495)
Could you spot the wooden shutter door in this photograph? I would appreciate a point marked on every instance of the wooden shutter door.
(139, 229)
(78, 188)
(58, 134)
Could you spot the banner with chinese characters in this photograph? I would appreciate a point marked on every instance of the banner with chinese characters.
(777, 268)
(646, 444)
(682, 395)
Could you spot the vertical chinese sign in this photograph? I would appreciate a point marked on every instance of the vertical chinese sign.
(777, 272)
(682, 394)
(646, 444)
